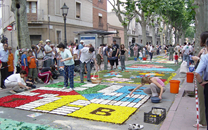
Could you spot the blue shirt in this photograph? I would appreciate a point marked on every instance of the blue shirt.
(4, 55)
(80, 46)
(203, 67)
(22, 60)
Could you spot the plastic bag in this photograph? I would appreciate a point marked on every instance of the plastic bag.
(183, 68)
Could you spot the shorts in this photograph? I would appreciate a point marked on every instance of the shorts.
(112, 62)
(98, 59)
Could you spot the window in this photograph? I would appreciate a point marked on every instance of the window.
(58, 6)
(100, 22)
(31, 7)
(78, 8)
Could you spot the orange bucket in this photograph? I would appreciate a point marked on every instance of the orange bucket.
(189, 77)
(174, 86)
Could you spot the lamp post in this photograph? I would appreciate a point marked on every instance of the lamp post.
(64, 13)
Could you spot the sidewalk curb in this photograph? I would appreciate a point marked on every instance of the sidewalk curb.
(169, 117)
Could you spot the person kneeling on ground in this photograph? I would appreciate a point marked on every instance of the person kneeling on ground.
(30, 82)
(156, 86)
(46, 74)
(16, 81)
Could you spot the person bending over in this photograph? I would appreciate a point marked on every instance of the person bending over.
(156, 89)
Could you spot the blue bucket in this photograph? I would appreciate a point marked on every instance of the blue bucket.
(191, 69)
(135, 59)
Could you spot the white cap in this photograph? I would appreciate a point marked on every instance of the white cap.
(81, 41)
(48, 40)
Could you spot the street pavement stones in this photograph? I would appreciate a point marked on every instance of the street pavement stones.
(66, 123)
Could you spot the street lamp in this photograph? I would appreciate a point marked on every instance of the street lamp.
(64, 13)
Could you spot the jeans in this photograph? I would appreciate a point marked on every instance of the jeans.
(69, 74)
(151, 54)
(105, 58)
(122, 60)
(82, 70)
(206, 101)
(4, 73)
(186, 58)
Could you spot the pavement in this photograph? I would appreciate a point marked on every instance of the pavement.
(181, 112)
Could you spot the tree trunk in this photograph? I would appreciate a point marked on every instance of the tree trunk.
(153, 36)
(125, 40)
(183, 37)
(21, 22)
(166, 35)
(171, 35)
(200, 24)
(177, 37)
(143, 24)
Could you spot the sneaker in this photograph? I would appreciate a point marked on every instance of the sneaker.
(12, 92)
(135, 127)
(64, 88)
(71, 89)
(89, 81)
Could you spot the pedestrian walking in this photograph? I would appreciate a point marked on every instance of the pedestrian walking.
(115, 52)
(186, 53)
(171, 51)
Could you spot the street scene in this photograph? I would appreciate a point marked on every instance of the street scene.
(103, 65)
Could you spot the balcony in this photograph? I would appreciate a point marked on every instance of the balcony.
(35, 16)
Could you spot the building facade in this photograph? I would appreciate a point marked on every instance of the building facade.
(45, 20)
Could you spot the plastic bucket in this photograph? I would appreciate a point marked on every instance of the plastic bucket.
(144, 58)
(189, 77)
(135, 59)
(174, 86)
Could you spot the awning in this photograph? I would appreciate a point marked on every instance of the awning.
(100, 32)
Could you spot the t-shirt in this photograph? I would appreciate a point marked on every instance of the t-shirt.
(45, 69)
(115, 48)
(47, 49)
(10, 63)
(67, 54)
(40, 53)
(171, 50)
(22, 60)
(86, 56)
(32, 63)
(109, 50)
(176, 57)
(186, 48)
(15, 78)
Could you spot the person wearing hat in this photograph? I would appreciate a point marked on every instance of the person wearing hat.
(68, 61)
(3, 64)
(48, 54)
(24, 62)
(10, 62)
(40, 55)
(81, 45)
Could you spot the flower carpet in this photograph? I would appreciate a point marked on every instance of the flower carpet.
(8, 124)
(149, 67)
(88, 101)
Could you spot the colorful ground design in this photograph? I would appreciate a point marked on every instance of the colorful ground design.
(149, 67)
(8, 124)
(161, 59)
(88, 101)
(131, 77)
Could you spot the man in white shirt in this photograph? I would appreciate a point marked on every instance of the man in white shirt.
(186, 52)
(48, 54)
(16, 81)
(87, 54)
(191, 49)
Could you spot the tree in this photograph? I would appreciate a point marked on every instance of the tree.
(18, 7)
(201, 23)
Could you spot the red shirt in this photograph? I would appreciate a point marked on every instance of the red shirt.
(176, 57)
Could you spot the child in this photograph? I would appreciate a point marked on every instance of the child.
(24, 62)
(176, 58)
(140, 55)
(29, 82)
(32, 65)
(190, 56)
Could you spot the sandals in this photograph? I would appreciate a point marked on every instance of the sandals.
(135, 127)
(200, 126)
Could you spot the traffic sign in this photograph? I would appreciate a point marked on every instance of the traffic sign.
(9, 28)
